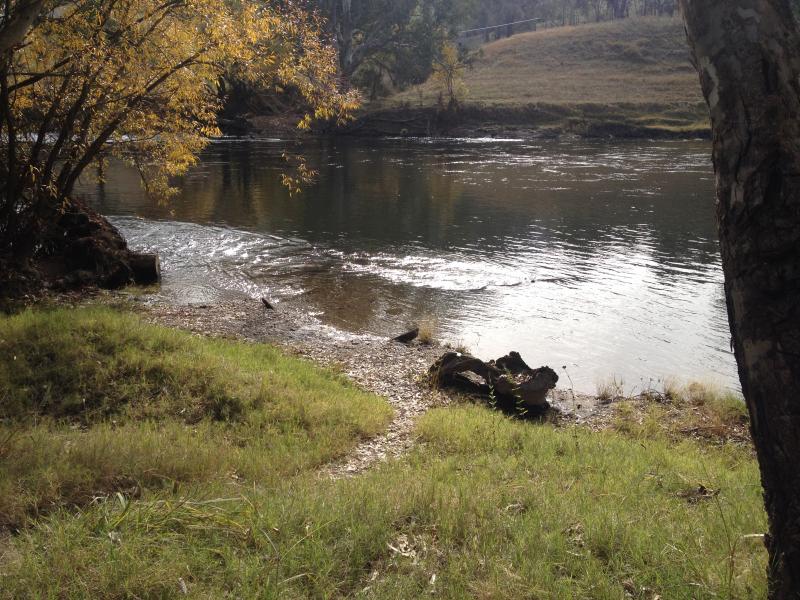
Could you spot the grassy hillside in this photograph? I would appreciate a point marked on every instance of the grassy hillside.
(635, 70)
(150, 492)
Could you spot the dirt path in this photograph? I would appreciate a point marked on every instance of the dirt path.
(388, 369)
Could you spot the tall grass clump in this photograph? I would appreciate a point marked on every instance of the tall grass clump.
(609, 390)
(700, 410)
(427, 331)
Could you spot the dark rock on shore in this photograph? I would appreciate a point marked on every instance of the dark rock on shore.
(407, 337)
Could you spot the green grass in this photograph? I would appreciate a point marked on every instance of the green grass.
(94, 401)
(484, 507)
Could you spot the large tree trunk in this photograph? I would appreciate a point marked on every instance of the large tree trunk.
(747, 55)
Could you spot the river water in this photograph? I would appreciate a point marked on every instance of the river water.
(601, 257)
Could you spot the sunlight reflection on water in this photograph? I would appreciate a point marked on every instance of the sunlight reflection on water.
(601, 257)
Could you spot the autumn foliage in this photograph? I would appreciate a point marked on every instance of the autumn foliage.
(137, 80)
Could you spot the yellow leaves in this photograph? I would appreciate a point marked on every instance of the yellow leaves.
(142, 75)
(448, 72)
(300, 176)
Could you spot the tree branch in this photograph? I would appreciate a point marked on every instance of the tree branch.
(68, 182)
(39, 76)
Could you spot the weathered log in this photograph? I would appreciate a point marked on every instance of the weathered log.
(509, 380)
(146, 268)
(407, 337)
(529, 385)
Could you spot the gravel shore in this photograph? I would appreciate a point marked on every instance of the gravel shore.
(390, 369)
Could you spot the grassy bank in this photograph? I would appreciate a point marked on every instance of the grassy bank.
(95, 401)
(631, 76)
(152, 491)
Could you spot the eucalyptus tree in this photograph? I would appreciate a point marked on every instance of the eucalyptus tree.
(395, 40)
(747, 56)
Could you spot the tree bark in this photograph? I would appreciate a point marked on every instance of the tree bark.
(17, 23)
(746, 53)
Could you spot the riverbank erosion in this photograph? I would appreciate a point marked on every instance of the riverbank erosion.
(143, 460)
(474, 120)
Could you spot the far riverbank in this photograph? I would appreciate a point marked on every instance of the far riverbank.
(531, 122)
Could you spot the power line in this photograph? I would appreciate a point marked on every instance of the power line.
(468, 31)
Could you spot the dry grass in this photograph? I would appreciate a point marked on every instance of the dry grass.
(609, 390)
(462, 348)
(427, 331)
(641, 61)
(637, 68)
(700, 411)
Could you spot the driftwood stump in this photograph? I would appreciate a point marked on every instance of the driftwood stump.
(512, 384)
(85, 249)
(74, 247)
(146, 268)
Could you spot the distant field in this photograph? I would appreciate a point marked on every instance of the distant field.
(636, 69)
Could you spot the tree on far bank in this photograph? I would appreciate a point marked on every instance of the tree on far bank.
(747, 55)
(448, 73)
(618, 8)
(85, 80)
(489, 13)
(385, 44)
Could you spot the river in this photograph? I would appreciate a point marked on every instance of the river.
(598, 256)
